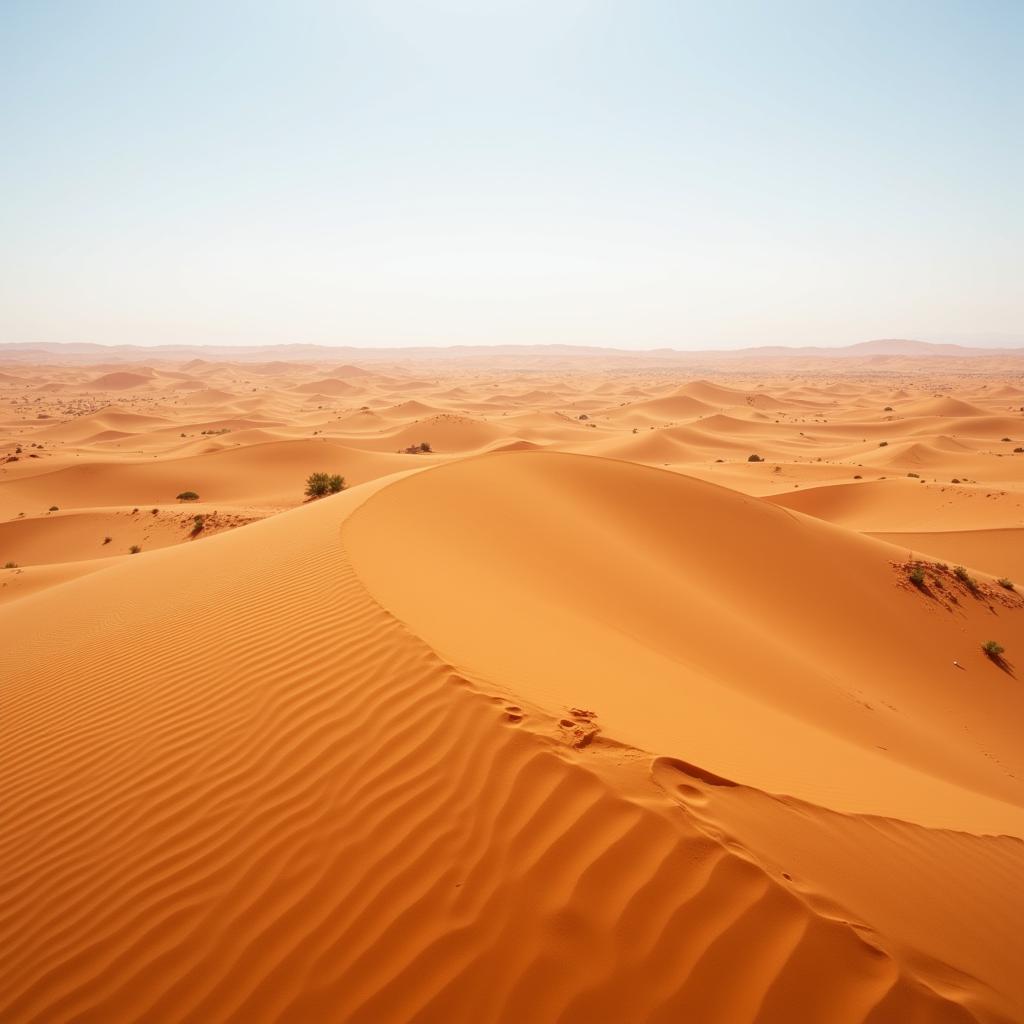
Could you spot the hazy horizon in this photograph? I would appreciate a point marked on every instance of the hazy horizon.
(652, 175)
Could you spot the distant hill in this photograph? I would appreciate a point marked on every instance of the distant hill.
(194, 356)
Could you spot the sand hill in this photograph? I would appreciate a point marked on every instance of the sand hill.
(584, 714)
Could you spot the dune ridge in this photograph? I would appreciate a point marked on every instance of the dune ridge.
(263, 829)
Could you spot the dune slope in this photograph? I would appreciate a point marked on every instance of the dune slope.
(237, 788)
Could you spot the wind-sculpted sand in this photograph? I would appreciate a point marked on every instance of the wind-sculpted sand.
(577, 715)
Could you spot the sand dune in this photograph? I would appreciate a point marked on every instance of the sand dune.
(580, 716)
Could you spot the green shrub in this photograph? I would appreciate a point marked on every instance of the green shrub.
(1005, 583)
(964, 576)
(317, 485)
(320, 484)
(916, 575)
(994, 650)
(188, 496)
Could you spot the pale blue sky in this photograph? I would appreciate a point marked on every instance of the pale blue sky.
(632, 173)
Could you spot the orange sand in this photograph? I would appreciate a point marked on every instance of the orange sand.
(578, 716)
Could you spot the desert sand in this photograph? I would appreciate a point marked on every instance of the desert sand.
(611, 688)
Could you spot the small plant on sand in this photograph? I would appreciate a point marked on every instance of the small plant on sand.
(54, 508)
(965, 578)
(1005, 583)
(107, 540)
(10, 565)
(883, 444)
(198, 525)
(188, 496)
(888, 408)
(415, 449)
(320, 484)
(993, 649)
(916, 576)
(754, 458)
(134, 549)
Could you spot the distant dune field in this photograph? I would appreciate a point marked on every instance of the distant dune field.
(606, 690)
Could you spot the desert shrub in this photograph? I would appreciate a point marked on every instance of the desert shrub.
(198, 525)
(1006, 439)
(54, 508)
(916, 575)
(107, 540)
(583, 416)
(883, 444)
(188, 496)
(415, 449)
(754, 458)
(994, 650)
(1005, 583)
(888, 408)
(320, 484)
(965, 577)
(317, 485)
(1018, 451)
(10, 565)
(857, 476)
(134, 549)
(915, 475)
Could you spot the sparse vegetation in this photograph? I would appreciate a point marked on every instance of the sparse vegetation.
(107, 540)
(1005, 583)
(994, 650)
(965, 578)
(198, 525)
(188, 496)
(415, 449)
(54, 508)
(883, 444)
(754, 458)
(916, 475)
(134, 549)
(916, 576)
(888, 408)
(10, 565)
(318, 485)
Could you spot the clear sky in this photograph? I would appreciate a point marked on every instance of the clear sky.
(638, 173)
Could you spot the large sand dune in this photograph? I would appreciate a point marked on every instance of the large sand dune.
(579, 716)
